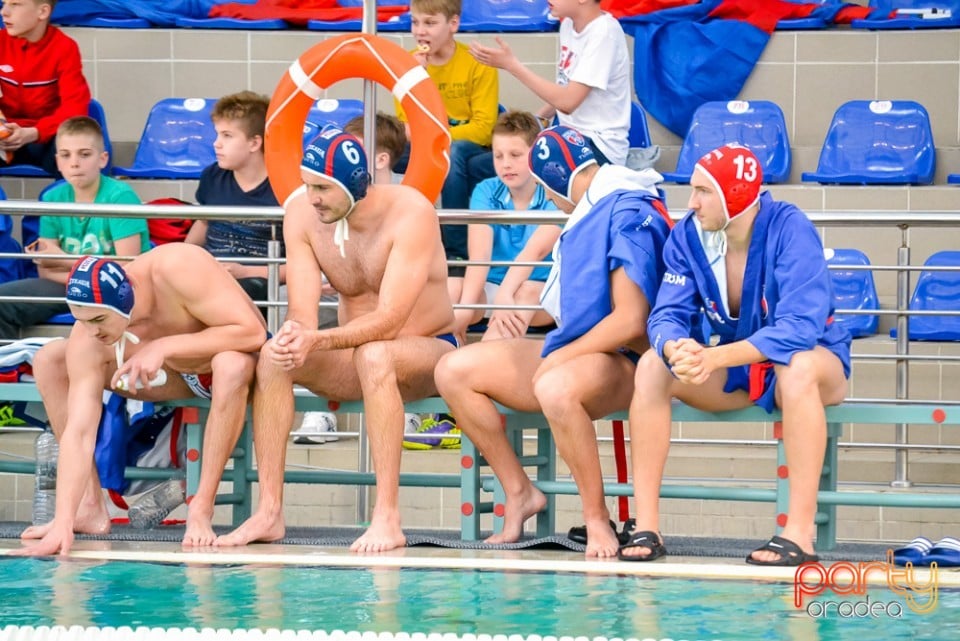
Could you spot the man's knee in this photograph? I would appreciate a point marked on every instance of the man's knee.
(375, 361)
(652, 374)
(233, 370)
(452, 372)
(557, 390)
(50, 361)
(800, 377)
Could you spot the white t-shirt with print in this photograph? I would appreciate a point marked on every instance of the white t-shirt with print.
(598, 57)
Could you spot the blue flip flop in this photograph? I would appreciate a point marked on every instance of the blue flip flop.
(946, 553)
(914, 552)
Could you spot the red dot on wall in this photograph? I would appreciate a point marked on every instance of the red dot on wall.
(782, 471)
(193, 455)
(778, 431)
(499, 510)
(939, 416)
(466, 462)
(782, 520)
(466, 509)
(333, 406)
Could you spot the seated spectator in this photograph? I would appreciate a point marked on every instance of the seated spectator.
(470, 95)
(43, 84)
(391, 141)
(513, 189)
(756, 265)
(592, 91)
(604, 279)
(239, 178)
(171, 324)
(80, 156)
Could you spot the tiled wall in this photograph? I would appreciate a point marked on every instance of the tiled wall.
(808, 74)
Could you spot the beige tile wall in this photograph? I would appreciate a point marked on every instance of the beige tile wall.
(809, 74)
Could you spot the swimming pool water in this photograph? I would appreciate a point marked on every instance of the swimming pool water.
(44, 592)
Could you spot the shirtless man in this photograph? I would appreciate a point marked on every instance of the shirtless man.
(173, 309)
(379, 246)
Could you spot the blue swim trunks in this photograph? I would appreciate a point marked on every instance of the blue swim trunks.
(450, 338)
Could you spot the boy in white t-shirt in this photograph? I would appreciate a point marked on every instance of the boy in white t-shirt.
(592, 91)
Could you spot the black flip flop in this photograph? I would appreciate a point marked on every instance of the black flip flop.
(578, 533)
(645, 539)
(790, 553)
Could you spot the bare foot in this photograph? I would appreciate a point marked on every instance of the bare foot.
(517, 510)
(602, 541)
(93, 520)
(383, 534)
(199, 526)
(260, 527)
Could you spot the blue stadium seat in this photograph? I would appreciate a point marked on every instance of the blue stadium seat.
(880, 142)
(853, 289)
(497, 16)
(912, 14)
(756, 124)
(398, 23)
(177, 141)
(936, 291)
(231, 23)
(103, 22)
(95, 111)
(639, 131)
(327, 111)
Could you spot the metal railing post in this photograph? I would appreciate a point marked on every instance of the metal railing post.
(901, 463)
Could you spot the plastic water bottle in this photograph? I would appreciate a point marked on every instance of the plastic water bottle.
(158, 379)
(45, 494)
(155, 504)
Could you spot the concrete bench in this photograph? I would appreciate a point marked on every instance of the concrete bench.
(473, 483)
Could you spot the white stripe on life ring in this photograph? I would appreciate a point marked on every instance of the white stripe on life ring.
(408, 81)
(303, 81)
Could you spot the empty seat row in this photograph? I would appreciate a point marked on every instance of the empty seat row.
(483, 16)
(177, 140)
(868, 142)
(937, 290)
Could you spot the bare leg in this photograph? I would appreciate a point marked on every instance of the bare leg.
(232, 377)
(570, 394)
(272, 420)
(650, 420)
(813, 379)
(469, 380)
(50, 370)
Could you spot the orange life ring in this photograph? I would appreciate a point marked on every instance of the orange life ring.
(357, 56)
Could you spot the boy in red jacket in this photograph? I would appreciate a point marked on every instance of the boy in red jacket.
(41, 83)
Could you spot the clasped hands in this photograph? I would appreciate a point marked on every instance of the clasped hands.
(691, 362)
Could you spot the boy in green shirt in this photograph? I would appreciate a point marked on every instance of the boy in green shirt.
(80, 157)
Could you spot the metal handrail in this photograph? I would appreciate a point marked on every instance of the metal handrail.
(899, 219)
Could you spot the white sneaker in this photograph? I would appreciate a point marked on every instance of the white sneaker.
(411, 423)
(316, 428)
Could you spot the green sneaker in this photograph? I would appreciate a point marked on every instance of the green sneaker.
(431, 434)
(7, 418)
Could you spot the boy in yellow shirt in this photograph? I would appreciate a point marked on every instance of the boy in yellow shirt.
(470, 93)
